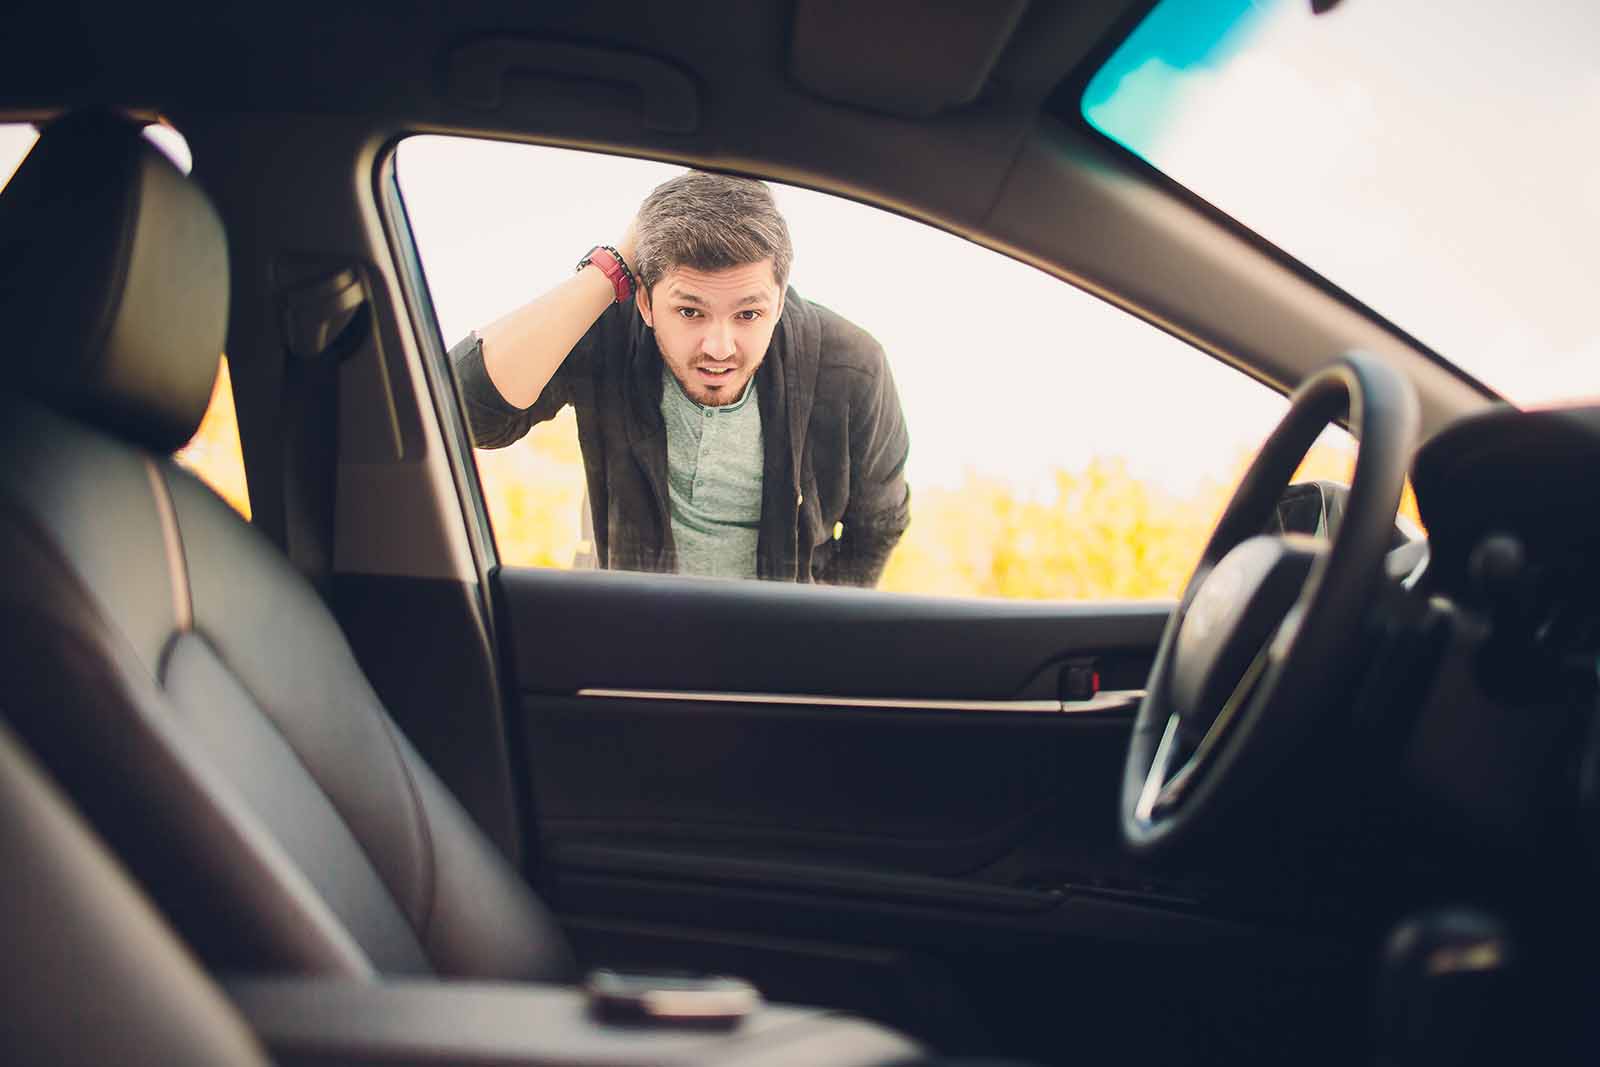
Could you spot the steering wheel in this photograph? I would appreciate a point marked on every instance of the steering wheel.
(1251, 657)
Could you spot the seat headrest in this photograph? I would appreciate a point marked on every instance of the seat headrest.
(113, 282)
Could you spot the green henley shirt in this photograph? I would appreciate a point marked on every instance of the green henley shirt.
(714, 461)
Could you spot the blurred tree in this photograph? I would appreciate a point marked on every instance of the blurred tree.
(533, 491)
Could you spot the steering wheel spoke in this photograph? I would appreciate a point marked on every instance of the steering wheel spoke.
(1267, 620)
(1163, 792)
(1156, 781)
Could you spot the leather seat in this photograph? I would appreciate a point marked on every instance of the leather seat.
(66, 903)
(184, 683)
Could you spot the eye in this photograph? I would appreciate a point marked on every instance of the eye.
(749, 316)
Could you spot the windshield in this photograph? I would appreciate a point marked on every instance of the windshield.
(1440, 162)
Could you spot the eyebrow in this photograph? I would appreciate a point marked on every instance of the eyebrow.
(691, 298)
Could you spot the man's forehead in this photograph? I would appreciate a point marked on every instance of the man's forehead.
(748, 283)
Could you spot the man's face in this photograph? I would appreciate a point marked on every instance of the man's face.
(713, 327)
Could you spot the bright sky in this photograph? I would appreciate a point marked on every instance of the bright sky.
(1439, 161)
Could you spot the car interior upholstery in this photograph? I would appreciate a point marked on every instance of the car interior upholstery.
(70, 900)
(332, 785)
(328, 846)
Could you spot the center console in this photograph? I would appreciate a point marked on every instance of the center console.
(413, 1023)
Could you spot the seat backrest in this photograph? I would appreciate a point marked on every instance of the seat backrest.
(182, 680)
(80, 938)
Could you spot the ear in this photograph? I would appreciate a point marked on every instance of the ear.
(779, 313)
(641, 300)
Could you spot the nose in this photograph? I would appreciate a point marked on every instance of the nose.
(717, 342)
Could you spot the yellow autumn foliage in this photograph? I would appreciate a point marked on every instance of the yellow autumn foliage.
(534, 493)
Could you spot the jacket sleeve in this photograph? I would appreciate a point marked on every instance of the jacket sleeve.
(493, 421)
(879, 509)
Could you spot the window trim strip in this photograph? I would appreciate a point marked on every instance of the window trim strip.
(1105, 701)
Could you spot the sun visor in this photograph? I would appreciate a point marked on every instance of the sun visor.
(900, 57)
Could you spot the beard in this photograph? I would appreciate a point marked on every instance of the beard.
(714, 393)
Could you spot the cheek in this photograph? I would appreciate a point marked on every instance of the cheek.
(675, 338)
(757, 340)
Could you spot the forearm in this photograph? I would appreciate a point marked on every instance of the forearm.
(522, 350)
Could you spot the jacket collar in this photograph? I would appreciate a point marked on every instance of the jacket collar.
(646, 430)
(786, 387)
(801, 342)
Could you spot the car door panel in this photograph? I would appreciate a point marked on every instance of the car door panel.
(572, 630)
(908, 734)
(908, 737)
(874, 801)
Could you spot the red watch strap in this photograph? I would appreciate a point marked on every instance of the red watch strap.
(613, 268)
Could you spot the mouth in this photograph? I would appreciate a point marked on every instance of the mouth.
(714, 375)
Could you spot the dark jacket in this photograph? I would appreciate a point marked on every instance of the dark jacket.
(833, 435)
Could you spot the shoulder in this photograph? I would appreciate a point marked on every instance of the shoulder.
(842, 345)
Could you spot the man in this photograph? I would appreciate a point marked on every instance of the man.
(728, 427)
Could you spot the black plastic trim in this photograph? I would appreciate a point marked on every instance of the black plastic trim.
(569, 629)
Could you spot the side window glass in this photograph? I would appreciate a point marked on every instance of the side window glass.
(213, 454)
(16, 141)
(975, 427)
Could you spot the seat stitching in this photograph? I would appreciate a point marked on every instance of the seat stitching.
(21, 514)
(172, 538)
(17, 511)
(236, 816)
(264, 708)
(311, 776)
(430, 860)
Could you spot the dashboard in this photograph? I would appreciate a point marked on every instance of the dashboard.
(1506, 743)
(1511, 500)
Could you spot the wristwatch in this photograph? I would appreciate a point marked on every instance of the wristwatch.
(611, 264)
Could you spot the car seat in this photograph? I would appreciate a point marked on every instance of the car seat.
(183, 682)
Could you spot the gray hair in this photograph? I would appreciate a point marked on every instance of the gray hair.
(710, 222)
